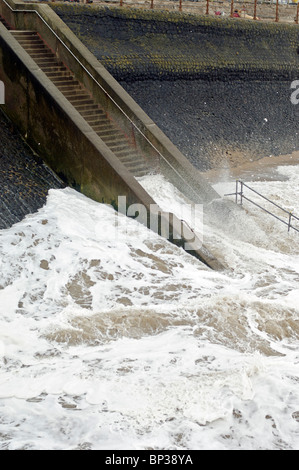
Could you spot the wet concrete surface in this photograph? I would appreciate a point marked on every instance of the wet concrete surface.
(24, 179)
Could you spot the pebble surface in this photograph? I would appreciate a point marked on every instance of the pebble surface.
(24, 179)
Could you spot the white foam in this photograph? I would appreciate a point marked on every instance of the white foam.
(125, 342)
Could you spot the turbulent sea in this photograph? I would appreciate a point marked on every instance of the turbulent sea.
(124, 341)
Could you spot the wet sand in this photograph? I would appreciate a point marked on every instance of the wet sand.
(264, 169)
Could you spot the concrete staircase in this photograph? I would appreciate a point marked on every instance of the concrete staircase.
(117, 141)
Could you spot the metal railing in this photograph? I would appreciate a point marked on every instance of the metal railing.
(275, 10)
(239, 196)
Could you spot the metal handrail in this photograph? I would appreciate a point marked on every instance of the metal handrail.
(106, 93)
(207, 3)
(242, 196)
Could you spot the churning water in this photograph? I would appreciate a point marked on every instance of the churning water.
(127, 342)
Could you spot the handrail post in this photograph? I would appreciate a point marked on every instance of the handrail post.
(152, 4)
(277, 15)
(241, 193)
(207, 9)
(121, 3)
(254, 13)
(290, 219)
(180, 7)
(232, 8)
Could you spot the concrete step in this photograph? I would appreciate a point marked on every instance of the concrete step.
(139, 172)
(23, 33)
(63, 79)
(81, 101)
(128, 152)
(105, 127)
(118, 146)
(52, 74)
(68, 85)
(112, 138)
(35, 46)
(92, 115)
(44, 57)
(47, 61)
(33, 41)
(55, 68)
(131, 160)
(136, 166)
(87, 107)
(96, 119)
(77, 94)
(36, 54)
